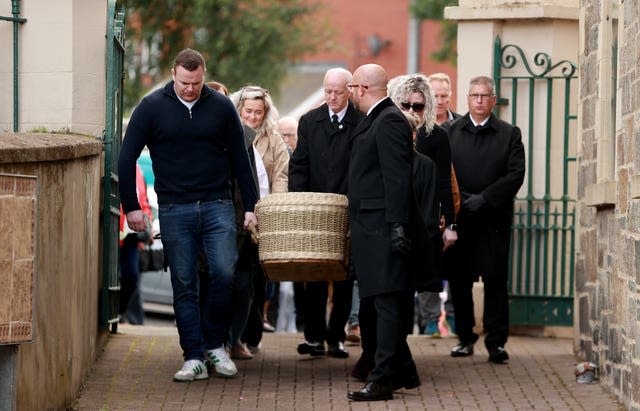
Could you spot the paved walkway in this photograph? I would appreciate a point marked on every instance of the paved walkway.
(135, 373)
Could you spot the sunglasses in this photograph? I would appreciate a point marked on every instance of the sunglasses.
(414, 106)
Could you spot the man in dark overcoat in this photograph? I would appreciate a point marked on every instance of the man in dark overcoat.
(379, 191)
(320, 164)
(488, 156)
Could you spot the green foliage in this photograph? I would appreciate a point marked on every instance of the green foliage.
(243, 41)
(434, 10)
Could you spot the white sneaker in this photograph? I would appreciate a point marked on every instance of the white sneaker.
(222, 363)
(191, 370)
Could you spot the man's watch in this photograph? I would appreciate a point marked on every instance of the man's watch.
(452, 227)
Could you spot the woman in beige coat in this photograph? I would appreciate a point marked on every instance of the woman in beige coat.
(256, 110)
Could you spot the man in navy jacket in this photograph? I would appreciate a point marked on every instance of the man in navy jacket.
(196, 142)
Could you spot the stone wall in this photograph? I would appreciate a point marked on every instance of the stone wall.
(608, 257)
(66, 281)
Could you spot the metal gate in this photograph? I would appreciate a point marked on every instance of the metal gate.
(112, 141)
(539, 96)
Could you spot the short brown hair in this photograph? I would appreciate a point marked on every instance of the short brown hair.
(189, 59)
(216, 85)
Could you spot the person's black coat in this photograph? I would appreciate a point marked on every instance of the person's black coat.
(320, 161)
(380, 173)
(424, 227)
(435, 145)
(488, 160)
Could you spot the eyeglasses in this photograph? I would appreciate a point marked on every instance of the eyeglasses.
(415, 106)
(480, 96)
(350, 86)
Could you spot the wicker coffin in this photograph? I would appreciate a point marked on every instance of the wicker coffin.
(303, 236)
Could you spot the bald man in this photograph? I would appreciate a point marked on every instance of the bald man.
(380, 173)
(320, 163)
(288, 128)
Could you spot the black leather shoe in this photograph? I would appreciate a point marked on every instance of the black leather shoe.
(372, 391)
(498, 355)
(337, 351)
(313, 349)
(409, 382)
(462, 350)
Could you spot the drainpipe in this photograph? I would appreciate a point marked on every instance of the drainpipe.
(413, 44)
(16, 19)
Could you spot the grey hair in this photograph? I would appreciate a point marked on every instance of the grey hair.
(442, 77)
(270, 122)
(401, 87)
(485, 81)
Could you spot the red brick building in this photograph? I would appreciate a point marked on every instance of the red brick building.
(367, 31)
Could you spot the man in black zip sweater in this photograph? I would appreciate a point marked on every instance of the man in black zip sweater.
(196, 142)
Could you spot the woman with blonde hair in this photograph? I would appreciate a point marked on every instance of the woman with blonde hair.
(412, 93)
(256, 110)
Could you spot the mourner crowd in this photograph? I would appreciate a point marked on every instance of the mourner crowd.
(430, 202)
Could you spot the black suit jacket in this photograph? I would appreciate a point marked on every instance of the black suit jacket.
(320, 161)
(380, 173)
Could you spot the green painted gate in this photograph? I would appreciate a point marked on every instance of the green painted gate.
(112, 139)
(540, 96)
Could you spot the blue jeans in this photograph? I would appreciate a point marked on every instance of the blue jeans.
(186, 229)
(355, 305)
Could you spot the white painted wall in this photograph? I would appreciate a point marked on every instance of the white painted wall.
(61, 66)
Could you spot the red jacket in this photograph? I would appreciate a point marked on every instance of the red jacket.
(141, 188)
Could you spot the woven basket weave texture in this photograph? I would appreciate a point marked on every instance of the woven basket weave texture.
(303, 236)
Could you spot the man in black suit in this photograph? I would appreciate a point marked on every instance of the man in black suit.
(380, 173)
(320, 163)
(488, 156)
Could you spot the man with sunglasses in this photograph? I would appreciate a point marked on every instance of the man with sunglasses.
(197, 147)
(488, 156)
(379, 191)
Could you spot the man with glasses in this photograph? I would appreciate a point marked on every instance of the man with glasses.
(488, 156)
(195, 155)
(379, 191)
(320, 163)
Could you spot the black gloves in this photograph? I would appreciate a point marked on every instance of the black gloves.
(400, 243)
(474, 203)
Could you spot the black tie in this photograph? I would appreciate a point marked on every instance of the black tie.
(334, 121)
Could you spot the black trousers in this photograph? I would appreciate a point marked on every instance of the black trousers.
(385, 321)
(495, 318)
(253, 331)
(130, 297)
(316, 328)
